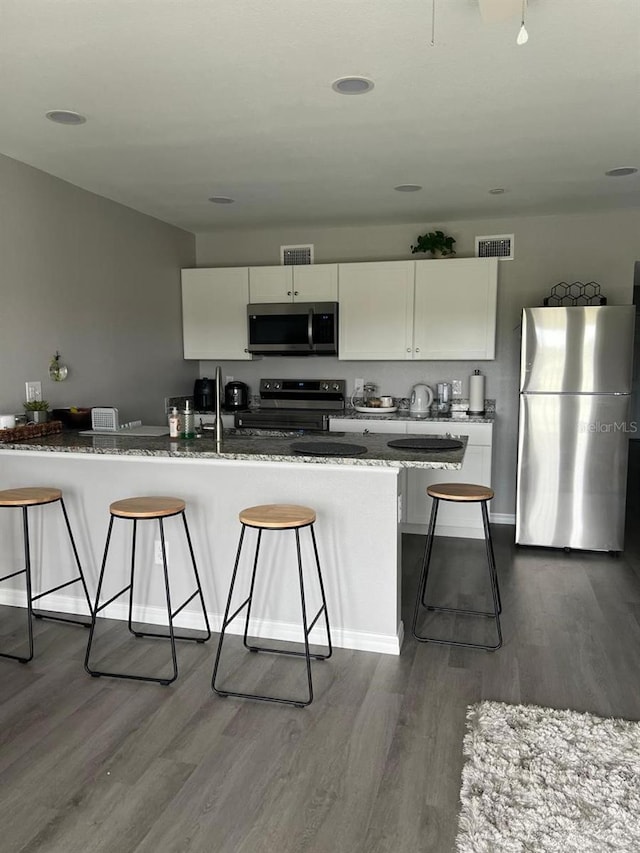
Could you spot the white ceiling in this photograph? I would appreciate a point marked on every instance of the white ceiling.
(186, 99)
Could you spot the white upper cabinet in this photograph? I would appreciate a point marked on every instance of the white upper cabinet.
(376, 310)
(312, 283)
(214, 313)
(455, 309)
(419, 310)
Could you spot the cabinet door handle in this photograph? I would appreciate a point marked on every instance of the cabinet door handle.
(408, 349)
(295, 292)
(246, 349)
(417, 349)
(288, 293)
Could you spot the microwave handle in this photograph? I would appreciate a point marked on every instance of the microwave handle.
(310, 328)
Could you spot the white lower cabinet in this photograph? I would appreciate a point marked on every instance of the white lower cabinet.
(463, 520)
(364, 426)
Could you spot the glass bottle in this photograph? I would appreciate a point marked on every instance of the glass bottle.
(188, 422)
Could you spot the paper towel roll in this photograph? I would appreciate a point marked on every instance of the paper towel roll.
(476, 394)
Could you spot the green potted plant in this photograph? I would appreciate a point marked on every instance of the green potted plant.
(37, 411)
(435, 242)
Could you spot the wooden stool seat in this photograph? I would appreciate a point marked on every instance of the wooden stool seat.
(147, 507)
(29, 496)
(277, 516)
(460, 492)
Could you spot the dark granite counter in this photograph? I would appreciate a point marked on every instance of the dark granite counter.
(457, 418)
(261, 446)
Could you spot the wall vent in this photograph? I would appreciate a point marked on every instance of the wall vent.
(291, 255)
(498, 246)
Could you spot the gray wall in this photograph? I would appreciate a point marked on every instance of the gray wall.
(96, 281)
(598, 247)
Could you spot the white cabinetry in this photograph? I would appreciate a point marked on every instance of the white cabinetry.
(362, 426)
(455, 309)
(453, 519)
(438, 309)
(214, 313)
(312, 283)
(376, 310)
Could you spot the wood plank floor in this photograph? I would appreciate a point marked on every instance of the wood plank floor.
(372, 765)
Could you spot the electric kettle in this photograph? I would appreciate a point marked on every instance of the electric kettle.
(421, 400)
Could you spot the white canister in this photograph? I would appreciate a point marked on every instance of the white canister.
(476, 393)
(7, 421)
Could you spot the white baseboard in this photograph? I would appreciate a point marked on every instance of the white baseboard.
(503, 518)
(342, 638)
(466, 532)
(445, 530)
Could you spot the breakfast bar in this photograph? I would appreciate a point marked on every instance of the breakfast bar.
(357, 495)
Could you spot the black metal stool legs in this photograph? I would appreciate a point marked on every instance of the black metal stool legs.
(80, 578)
(306, 627)
(490, 555)
(27, 573)
(171, 614)
(493, 580)
(29, 587)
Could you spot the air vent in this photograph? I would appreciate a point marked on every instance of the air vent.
(291, 255)
(496, 246)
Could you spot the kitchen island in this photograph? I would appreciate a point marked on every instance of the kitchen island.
(357, 500)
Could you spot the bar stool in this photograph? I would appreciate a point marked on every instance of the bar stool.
(30, 497)
(148, 509)
(276, 517)
(459, 493)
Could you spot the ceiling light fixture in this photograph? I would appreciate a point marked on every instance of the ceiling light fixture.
(352, 85)
(221, 199)
(407, 188)
(523, 35)
(497, 191)
(621, 171)
(65, 117)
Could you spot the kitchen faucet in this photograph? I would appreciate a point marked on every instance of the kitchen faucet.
(218, 408)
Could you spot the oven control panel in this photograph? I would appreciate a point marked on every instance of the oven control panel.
(303, 393)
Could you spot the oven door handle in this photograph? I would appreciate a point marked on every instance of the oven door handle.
(310, 328)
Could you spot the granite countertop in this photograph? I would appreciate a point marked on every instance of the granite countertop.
(403, 415)
(266, 446)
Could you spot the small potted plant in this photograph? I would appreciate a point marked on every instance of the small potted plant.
(435, 242)
(37, 411)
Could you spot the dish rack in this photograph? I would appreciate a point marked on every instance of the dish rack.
(105, 418)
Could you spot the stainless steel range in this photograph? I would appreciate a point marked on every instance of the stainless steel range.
(295, 404)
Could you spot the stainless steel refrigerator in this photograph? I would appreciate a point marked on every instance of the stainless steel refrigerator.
(575, 382)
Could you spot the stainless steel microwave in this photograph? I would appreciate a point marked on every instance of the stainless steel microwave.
(293, 328)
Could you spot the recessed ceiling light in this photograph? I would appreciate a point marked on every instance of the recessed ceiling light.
(497, 191)
(408, 188)
(65, 117)
(221, 199)
(352, 85)
(621, 171)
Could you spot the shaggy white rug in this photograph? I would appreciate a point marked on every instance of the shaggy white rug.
(545, 781)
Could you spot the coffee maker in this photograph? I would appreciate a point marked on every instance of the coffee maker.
(204, 395)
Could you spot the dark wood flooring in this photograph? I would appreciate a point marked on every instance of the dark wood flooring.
(372, 765)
